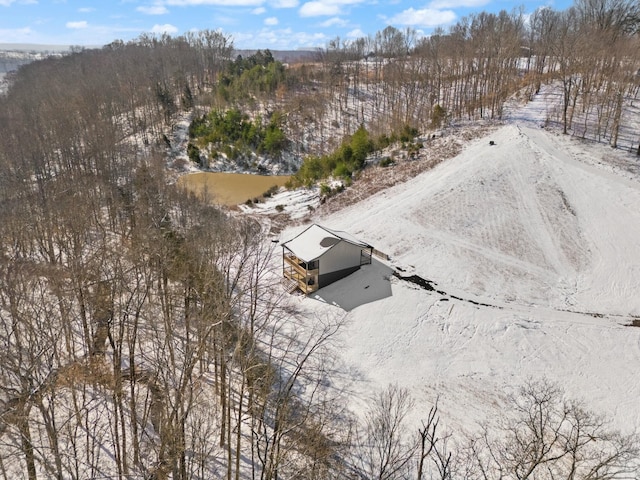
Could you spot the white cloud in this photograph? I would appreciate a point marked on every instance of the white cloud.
(334, 22)
(220, 3)
(442, 4)
(284, 3)
(356, 33)
(258, 11)
(316, 9)
(77, 25)
(425, 17)
(153, 10)
(271, 21)
(279, 39)
(166, 28)
(227, 20)
(15, 35)
(86, 10)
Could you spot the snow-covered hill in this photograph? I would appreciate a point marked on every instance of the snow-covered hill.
(532, 245)
(12, 56)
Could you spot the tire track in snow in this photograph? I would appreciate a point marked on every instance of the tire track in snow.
(532, 218)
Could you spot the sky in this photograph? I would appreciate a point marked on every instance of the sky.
(251, 24)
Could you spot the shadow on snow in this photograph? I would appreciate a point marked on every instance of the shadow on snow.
(368, 284)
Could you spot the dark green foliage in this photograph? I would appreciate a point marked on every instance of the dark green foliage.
(261, 58)
(198, 127)
(438, 115)
(327, 191)
(361, 146)
(235, 134)
(387, 162)
(414, 148)
(271, 191)
(274, 138)
(350, 157)
(383, 141)
(345, 154)
(274, 141)
(187, 98)
(408, 133)
(312, 169)
(164, 98)
(342, 171)
(230, 152)
(256, 74)
(194, 154)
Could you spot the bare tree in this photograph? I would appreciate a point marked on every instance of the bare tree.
(433, 447)
(385, 451)
(292, 397)
(543, 435)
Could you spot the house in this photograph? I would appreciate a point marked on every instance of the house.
(319, 256)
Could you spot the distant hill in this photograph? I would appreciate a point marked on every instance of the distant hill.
(285, 56)
(13, 55)
(33, 47)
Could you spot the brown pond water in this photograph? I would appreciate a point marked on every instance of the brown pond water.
(230, 188)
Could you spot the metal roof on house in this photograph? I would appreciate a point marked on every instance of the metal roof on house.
(315, 241)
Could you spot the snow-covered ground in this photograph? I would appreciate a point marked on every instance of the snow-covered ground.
(533, 248)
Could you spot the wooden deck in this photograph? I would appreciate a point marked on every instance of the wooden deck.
(305, 280)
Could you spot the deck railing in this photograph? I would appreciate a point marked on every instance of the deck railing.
(293, 270)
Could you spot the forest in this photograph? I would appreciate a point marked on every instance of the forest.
(144, 333)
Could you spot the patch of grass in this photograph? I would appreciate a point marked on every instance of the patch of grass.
(271, 191)
(387, 162)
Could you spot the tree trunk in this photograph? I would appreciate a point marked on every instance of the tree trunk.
(27, 445)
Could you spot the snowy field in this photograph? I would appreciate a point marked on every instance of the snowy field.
(532, 246)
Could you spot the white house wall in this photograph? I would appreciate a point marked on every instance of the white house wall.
(342, 256)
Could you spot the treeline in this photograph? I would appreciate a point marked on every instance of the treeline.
(471, 69)
(141, 334)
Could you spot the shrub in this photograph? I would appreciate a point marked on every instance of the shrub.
(387, 162)
(325, 189)
(349, 158)
(270, 191)
(342, 171)
(414, 148)
(279, 208)
(193, 153)
(408, 133)
(438, 115)
(361, 146)
(383, 141)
